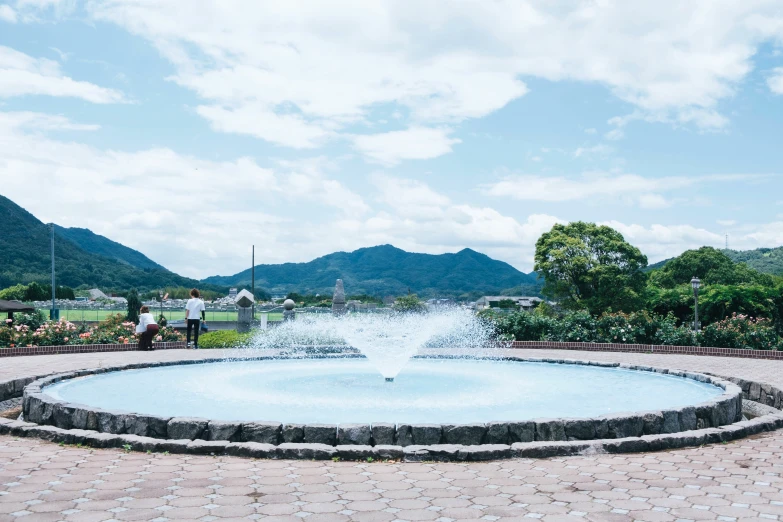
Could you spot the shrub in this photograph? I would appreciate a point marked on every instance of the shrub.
(740, 331)
(224, 339)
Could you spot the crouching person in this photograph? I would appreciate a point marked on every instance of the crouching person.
(148, 328)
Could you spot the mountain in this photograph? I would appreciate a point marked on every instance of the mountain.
(764, 260)
(386, 270)
(25, 257)
(93, 243)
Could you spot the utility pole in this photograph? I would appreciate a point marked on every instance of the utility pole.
(53, 312)
(253, 280)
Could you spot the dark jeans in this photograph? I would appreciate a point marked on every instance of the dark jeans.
(194, 324)
(145, 341)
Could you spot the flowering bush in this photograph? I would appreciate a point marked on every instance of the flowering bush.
(737, 331)
(741, 331)
(114, 330)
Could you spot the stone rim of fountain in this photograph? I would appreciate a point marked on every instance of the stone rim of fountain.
(724, 410)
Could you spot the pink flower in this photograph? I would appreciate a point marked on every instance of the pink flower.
(9, 321)
(159, 338)
(65, 339)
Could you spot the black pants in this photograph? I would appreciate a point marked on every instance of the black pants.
(145, 340)
(194, 324)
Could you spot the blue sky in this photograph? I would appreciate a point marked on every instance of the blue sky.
(190, 134)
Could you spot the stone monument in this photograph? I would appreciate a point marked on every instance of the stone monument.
(288, 310)
(338, 300)
(244, 301)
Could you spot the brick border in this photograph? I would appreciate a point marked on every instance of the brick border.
(40, 408)
(646, 348)
(22, 351)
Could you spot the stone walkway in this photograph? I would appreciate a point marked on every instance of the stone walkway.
(735, 481)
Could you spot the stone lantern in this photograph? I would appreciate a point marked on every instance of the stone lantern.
(244, 301)
(288, 310)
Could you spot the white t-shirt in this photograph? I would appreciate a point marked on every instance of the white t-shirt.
(146, 320)
(194, 308)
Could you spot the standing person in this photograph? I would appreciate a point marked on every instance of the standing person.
(192, 309)
(148, 328)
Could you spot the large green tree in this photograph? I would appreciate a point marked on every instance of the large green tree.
(710, 265)
(590, 267)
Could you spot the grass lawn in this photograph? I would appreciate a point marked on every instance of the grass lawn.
(100, 315)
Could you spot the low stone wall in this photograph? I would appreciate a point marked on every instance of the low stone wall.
(42, 409)
(84, 348)
(647, 348)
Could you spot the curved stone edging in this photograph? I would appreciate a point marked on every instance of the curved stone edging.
(40, 408)
(442, 452)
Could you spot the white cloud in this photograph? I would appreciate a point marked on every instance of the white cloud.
(600, 149)
(24, 75)
(775, 80)
(7, 14)
(726, 223)
(311, 69)
(660, 242)
(614, 135)
(591, 185)
(390, 148)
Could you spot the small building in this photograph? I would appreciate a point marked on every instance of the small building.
(10, 307)
(493, 301)
(232, 293)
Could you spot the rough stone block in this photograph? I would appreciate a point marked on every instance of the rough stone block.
(103, 440)
(146, 426)
(262, 432)
(253, 450)
(521, 431)
(320, 434)
(293, 433)
(484, 452)
(539, 450)
(110, 422)
(404, 435)
(626, 445)
(173, 445)
(653, 423)
(359, 434)
(688, 419)
(426, 434)
(63, 416)
(671, 421)
(355, 452)
(624, 426)
(383, 434)
(550, 430)
(222, 430)
(434, 452)
(580, 429)
(305, 451)
(388, 451)
(207, 447)
(464, 434)
(190, 428)
(497, 433)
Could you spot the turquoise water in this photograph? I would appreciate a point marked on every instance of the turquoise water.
(352, 390)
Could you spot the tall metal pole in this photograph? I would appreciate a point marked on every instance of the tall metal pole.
(253, 281)
(696, 310)
(51, 313)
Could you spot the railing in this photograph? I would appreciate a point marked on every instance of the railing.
(97, 314)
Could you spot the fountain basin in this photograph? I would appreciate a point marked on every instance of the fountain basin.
(343, 401)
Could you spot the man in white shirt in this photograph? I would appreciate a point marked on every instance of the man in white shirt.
(194, 314)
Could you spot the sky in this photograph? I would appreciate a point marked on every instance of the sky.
(193, 129)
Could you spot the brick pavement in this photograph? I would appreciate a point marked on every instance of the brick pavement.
(735, 481)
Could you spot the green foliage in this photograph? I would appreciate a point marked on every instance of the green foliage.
(25, 258)
(13, 293)
(409, 304)
(386, 270)
(765, 260)
(102, 246)
(590, 267)
(507, 303)
(224, 339)
(738, 331)
(134, 303)
(36, 292)
(712, 266)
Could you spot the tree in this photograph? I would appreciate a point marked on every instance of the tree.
(507, 303)
(134, 303)
(712, 266)
(409, 303)
(591, 267)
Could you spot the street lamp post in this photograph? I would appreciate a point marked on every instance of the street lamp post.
(160, 294)
(696, 284)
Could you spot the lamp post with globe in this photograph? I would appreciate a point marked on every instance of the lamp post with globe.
(696, 284)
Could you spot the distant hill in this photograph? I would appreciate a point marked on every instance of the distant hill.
(386, 270)
(764, 260)
(96, 244)
(25, 257)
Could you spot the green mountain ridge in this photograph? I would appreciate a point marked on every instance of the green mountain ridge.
(94, 243)
(387, 270)
(25, 257)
